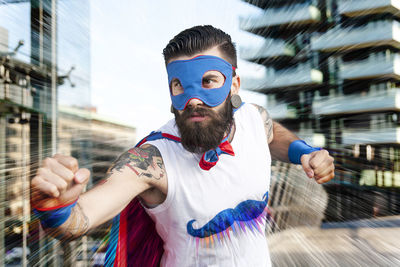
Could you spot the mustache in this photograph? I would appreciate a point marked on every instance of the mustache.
(244, 214)
(201, 111)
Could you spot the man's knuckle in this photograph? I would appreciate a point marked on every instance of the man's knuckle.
(35, 182)
(72, 162)
(48, 161)
(53, 189)
(63, 186)
(313, 164)
(69, 176)
(41, 172)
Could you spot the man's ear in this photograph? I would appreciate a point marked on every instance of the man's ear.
(235, 85)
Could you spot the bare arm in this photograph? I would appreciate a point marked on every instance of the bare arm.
(280, 144)
(318, 164)
(279, 138)
(134, 172)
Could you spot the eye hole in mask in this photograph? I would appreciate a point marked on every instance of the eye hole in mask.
(212, 79)
(176, 87)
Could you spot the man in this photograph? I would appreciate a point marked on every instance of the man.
(203, 177)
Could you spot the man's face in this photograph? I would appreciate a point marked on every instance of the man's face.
(203, 127)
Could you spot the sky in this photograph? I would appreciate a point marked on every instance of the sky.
(128, 77)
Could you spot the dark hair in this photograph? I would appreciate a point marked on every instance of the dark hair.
(198, 39)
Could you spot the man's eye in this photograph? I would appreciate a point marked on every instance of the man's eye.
(176, 87)
(207, 81)
(213, 79)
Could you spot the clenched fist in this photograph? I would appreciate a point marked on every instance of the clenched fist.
(58, 181)
(318, 165)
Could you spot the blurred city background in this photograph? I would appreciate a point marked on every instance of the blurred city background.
(87, 79)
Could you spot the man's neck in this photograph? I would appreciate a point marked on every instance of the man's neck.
(232, 131)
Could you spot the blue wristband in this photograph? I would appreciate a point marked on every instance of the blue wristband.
(298, 148)
(51, 218)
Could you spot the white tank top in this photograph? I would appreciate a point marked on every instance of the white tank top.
(210, 198)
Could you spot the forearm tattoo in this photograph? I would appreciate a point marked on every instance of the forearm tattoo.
(78, 222)
(268, 123)
(145, 161)
(76, 225)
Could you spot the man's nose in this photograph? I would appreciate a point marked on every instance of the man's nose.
(194, 102)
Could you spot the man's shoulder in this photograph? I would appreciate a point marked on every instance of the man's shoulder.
(251, 109)
(150, 143)
(169, 127)
(259, 108)
(146, 161)
(263, 112)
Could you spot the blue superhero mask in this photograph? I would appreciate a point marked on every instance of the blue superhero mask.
(190, 74)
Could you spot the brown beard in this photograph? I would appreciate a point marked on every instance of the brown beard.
(199, 137)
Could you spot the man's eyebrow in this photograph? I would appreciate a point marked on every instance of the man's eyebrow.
(211, 76)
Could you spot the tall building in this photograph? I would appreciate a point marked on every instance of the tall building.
(40, 42)
(330, 70)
